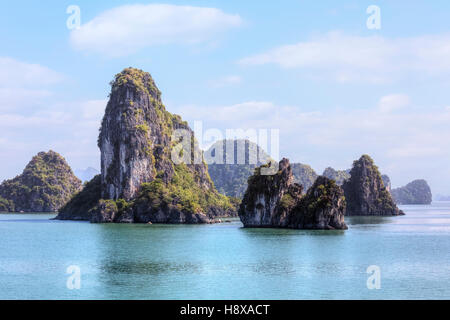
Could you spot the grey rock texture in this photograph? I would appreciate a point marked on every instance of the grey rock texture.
(138, 140)
(365, 192)
(276, 201)
(323, 207)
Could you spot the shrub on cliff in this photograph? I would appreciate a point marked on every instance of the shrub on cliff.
(45, 185)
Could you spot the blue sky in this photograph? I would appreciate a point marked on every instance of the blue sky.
(311, 69)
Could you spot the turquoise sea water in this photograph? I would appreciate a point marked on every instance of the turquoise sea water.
(226, 261)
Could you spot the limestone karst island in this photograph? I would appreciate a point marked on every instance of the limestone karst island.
(139, 182)
(242, 152)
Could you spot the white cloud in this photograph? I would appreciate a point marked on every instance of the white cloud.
(70, 128)
(24, 85)
(31, 122)
(393, 102)
(374, 59)
(14, 73)
(21, 98)
(126, 29)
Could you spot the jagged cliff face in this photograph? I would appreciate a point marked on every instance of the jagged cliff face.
(365, 192)
(323, 207)
(276, 201)
(260, 204)
(415, 192)
(139, 181)
(45, 185)
(134, 136)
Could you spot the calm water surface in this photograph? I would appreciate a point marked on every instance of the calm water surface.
(226, 261)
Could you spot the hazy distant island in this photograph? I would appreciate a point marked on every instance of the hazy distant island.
(45, 185)
(238, 160)
(415, 192)
(440, 197)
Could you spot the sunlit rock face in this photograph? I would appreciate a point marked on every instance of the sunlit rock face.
(144, 176)
(276, 201)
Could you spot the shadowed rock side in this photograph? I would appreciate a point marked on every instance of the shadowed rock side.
(46, 184)
(323, 207)
(365, 192)
(276, 201)
(78, 208)
(139, 182)
(415, 192)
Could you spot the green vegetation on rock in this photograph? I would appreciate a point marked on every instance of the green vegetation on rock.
(78, 207)
(140, 182)
(277, 201)
(45, 185)
(365, 191)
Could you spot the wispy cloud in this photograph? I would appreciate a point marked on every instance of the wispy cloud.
(126, 29)
(393, 102)
(15, 73)
(24, 84)
(374, 59)
(31, 122)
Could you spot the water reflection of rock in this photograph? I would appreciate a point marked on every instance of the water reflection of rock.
(148, 268)
(276, 233)
(371, 220)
